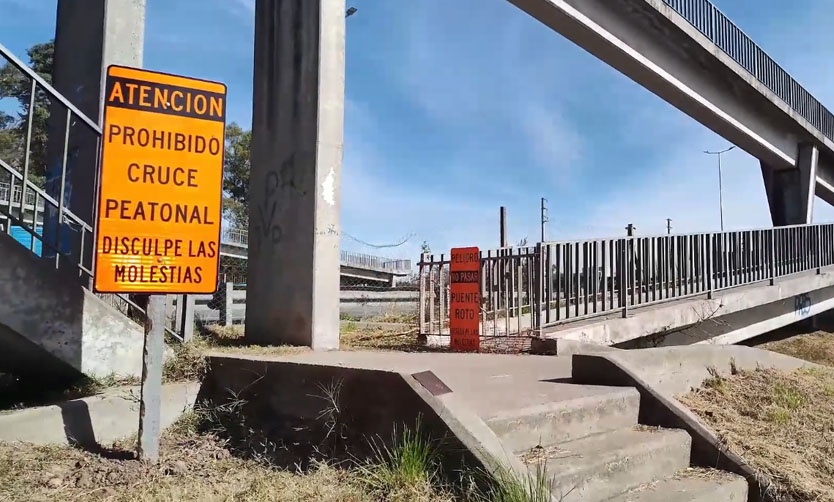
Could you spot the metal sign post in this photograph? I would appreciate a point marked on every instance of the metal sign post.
(159, 208)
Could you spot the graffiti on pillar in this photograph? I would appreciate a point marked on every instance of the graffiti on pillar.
(280, 185)
(265, 228)
(802, 305)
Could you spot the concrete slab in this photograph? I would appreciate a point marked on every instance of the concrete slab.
(95, 420)
(690, 488)
(364, 404)
(676, 370)
(488, 383)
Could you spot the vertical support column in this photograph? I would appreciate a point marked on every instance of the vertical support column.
(89, 36)
(185, 317)
(297, 136)
(790, 192)
(228, 304)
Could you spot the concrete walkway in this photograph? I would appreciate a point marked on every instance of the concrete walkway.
(95, 420)
(522, 410)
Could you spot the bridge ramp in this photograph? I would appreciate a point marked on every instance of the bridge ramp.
(730, 316)
(51, 326)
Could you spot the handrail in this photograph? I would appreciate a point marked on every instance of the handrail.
(708, 19)
(39, 191)
(43, 83)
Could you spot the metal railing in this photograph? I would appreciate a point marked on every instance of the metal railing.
(58, 218)
(240, 237)
(370, 262)
(717, 27)
(13, 195)
(524, 290)
(235, 236)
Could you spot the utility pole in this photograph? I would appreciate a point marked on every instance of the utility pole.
(545, 219)
(630, 228)
(503, 229)
(720, 187)
(668, 226)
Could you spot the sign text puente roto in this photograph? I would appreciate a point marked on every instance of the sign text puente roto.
(685, 51)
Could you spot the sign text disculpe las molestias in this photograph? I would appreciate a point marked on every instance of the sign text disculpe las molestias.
(162, 160)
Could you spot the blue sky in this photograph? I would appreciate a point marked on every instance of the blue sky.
(455, 108)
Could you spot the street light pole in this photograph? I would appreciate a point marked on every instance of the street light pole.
(720, 187)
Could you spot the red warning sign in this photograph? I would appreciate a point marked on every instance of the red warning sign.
(465, 299)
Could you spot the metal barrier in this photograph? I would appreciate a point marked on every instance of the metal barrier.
(17, 181)
(240, 237)
(524, 290)
(717, 27)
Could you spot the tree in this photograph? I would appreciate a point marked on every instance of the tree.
(14, 84)
(236, 170)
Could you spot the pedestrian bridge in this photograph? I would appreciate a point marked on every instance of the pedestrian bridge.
(356, 268)
(671, 289)
(693, 56)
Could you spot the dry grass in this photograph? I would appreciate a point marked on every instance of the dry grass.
(781, 423)
(197, 466)
(193, 467)
(815, 347)
(357, 335)
(200, 465)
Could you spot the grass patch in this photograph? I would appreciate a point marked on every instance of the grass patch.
(409, 469)
(505, 486)
(197, 464)
(778, 422)
(817, 347)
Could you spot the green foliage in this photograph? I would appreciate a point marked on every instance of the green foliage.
(408, 470)
(236, 170)
(13, 127)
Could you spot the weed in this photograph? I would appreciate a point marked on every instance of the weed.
(407, 470)
(506, 486)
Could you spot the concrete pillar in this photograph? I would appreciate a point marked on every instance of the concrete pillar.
(89, 36)
(790, 192)
(297, 134)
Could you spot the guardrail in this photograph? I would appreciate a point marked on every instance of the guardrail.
(227, 306)
(720, 30)
(524, 290)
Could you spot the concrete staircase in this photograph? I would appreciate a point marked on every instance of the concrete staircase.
(592, 449)
(52, 327)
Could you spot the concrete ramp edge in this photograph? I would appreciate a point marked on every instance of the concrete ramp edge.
(658, 406)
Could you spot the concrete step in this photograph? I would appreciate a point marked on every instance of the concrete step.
(599, 467)
(690, 485)
(561, 421)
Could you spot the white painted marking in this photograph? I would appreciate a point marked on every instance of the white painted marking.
(328, 188)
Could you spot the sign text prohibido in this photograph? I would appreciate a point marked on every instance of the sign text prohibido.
(465, 299)
(159, 208)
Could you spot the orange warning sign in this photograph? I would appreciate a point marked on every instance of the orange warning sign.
(465, 299)
(159, 207)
